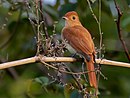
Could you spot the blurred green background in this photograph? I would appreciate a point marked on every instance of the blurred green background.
(17, 41)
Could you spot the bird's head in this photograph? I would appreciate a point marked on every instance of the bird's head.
(71, 19)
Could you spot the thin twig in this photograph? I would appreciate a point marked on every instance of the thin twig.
(43, 19)
(40, 49)
(92, 11)
(75, 77)
(38, 27)
(85, 78)
(100, 30)
(68, 72)
(120, 31)
(99, 25)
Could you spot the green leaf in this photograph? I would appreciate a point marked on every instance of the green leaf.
(42, 80)
(76, 94)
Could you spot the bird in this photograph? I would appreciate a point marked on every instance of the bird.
(79, 38)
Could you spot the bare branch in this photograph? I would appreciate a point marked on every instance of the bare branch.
(59, 59)
(120, 31)
(113, 63)
(18, 62)
(43, 19)
(40, 49)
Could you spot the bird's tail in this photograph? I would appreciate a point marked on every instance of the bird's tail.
(91, 73)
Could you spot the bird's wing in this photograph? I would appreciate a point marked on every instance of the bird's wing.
(79, 38)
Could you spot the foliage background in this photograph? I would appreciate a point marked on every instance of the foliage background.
(17, 41)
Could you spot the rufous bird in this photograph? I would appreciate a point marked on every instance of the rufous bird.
(80, 39)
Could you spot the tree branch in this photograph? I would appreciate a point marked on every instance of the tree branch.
(44, 21)
(18, 62)
(58, 59)
(120, 31)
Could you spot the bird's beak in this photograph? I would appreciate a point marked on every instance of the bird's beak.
(65, 18)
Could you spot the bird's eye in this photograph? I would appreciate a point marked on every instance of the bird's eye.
(73, 17)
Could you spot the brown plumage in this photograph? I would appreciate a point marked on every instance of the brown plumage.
(80, 39)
